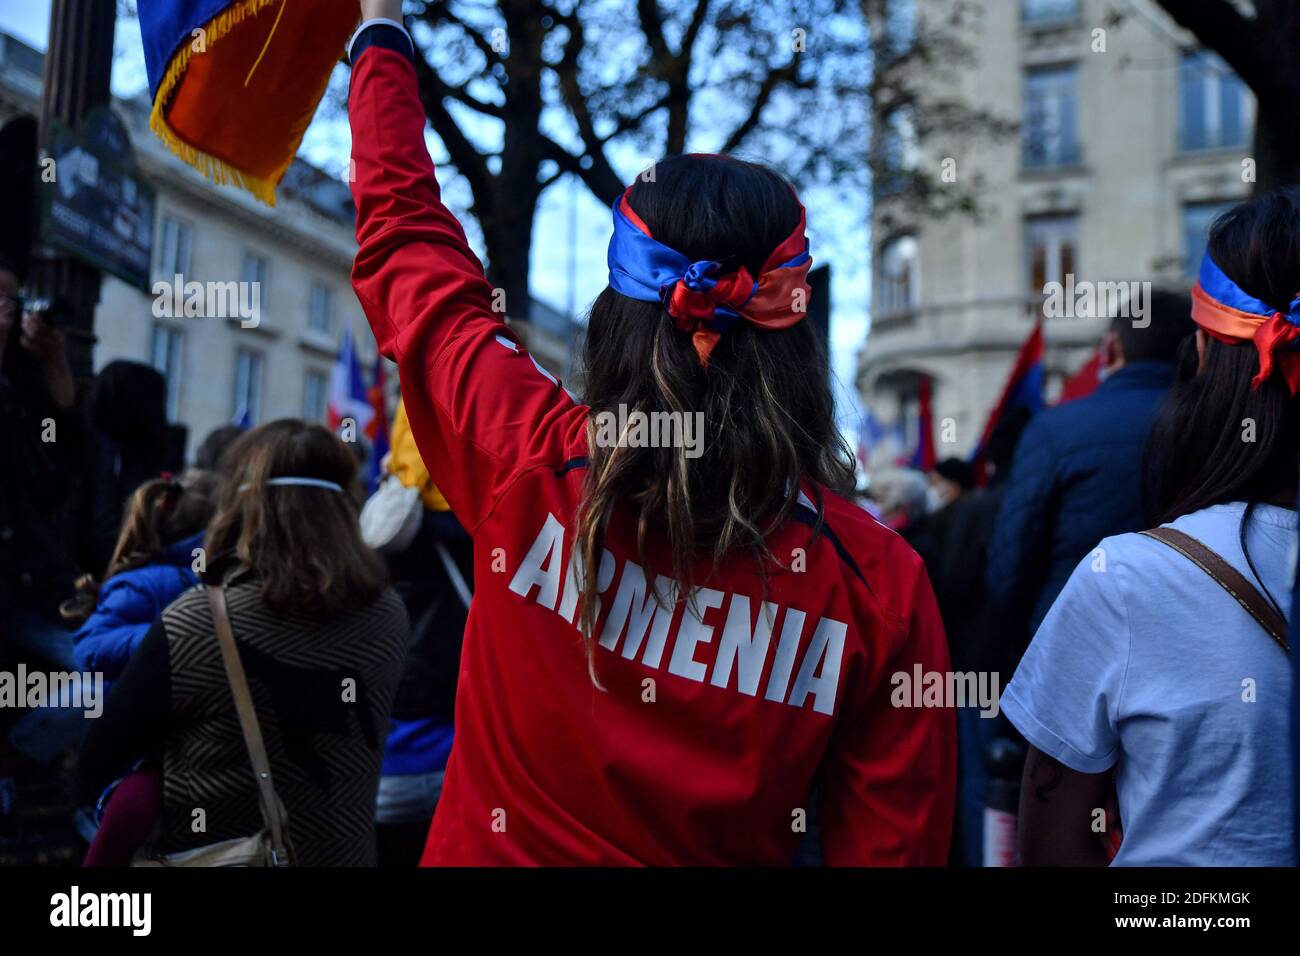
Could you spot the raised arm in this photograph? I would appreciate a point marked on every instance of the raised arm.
(480, 408)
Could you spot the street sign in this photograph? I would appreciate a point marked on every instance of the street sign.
(96, 206)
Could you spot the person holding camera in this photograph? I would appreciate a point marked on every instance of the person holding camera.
(41, 434)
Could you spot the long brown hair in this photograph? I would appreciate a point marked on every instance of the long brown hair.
(158, 514)
(768, 413)
(303, 542)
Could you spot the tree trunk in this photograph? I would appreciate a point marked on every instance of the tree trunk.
(508, 239)
(1277, 145)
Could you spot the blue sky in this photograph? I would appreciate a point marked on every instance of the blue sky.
(572, 227)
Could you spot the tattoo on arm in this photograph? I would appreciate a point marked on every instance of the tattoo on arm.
(1047, 775)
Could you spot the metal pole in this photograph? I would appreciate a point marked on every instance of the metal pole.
(78, 67)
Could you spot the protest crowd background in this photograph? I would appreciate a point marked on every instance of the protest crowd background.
(1078, 321)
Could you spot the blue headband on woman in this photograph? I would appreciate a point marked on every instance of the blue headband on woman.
(1223, 290)
(705, 298)
(639, 264)
(1230, 314)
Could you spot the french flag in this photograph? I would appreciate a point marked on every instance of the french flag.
(349, 397)
(1024, 388)
(377, 430)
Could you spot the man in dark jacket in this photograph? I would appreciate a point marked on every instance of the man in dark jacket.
(126, 445)
(1077, 474)
(975, 641)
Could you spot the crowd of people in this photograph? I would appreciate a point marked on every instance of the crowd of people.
(1152, 687)
(530, 646)
(107, 547)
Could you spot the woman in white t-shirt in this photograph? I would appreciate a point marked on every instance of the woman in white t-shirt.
(1149, 685)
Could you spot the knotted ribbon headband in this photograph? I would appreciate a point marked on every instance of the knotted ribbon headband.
(701, 298)
(1225, 311)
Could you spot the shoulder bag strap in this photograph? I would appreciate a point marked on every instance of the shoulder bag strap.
(1228, 578)
(453, 573)
(272, 808)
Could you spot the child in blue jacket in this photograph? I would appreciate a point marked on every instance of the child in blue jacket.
(153, 563)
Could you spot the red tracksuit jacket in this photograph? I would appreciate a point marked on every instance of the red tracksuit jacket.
(716, 727)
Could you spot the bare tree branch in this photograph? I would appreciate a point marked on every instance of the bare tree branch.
(1219, 26)
(771, 82)
(471, 164)
(441, 12)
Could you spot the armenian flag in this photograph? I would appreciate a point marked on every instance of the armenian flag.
(923, 456)
(1024, 388)
(234, 85)
(1084, 382)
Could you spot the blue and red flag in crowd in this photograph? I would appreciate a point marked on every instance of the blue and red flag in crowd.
(377, 430)
(923, 456)
(349, 398)
(1083, 382)
(1024, 388)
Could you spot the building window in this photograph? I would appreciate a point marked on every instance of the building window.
(1042, 12)
(165, 356)
(1051, 243)
(248, 385)
(1197, 218)
(320, 313)
(254, 272)
(1215, 106)
(1050, 134)
(898, 275)
(315, 396)
(174, 249)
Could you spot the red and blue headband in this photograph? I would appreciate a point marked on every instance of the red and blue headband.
(701, 298)
(1228, 313)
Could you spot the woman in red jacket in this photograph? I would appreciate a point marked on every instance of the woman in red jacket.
(682, 632)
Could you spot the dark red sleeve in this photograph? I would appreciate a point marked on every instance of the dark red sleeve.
(891, 778)
(480, 408)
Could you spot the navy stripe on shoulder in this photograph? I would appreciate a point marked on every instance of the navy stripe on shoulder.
(571, 464)
(805, 515)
